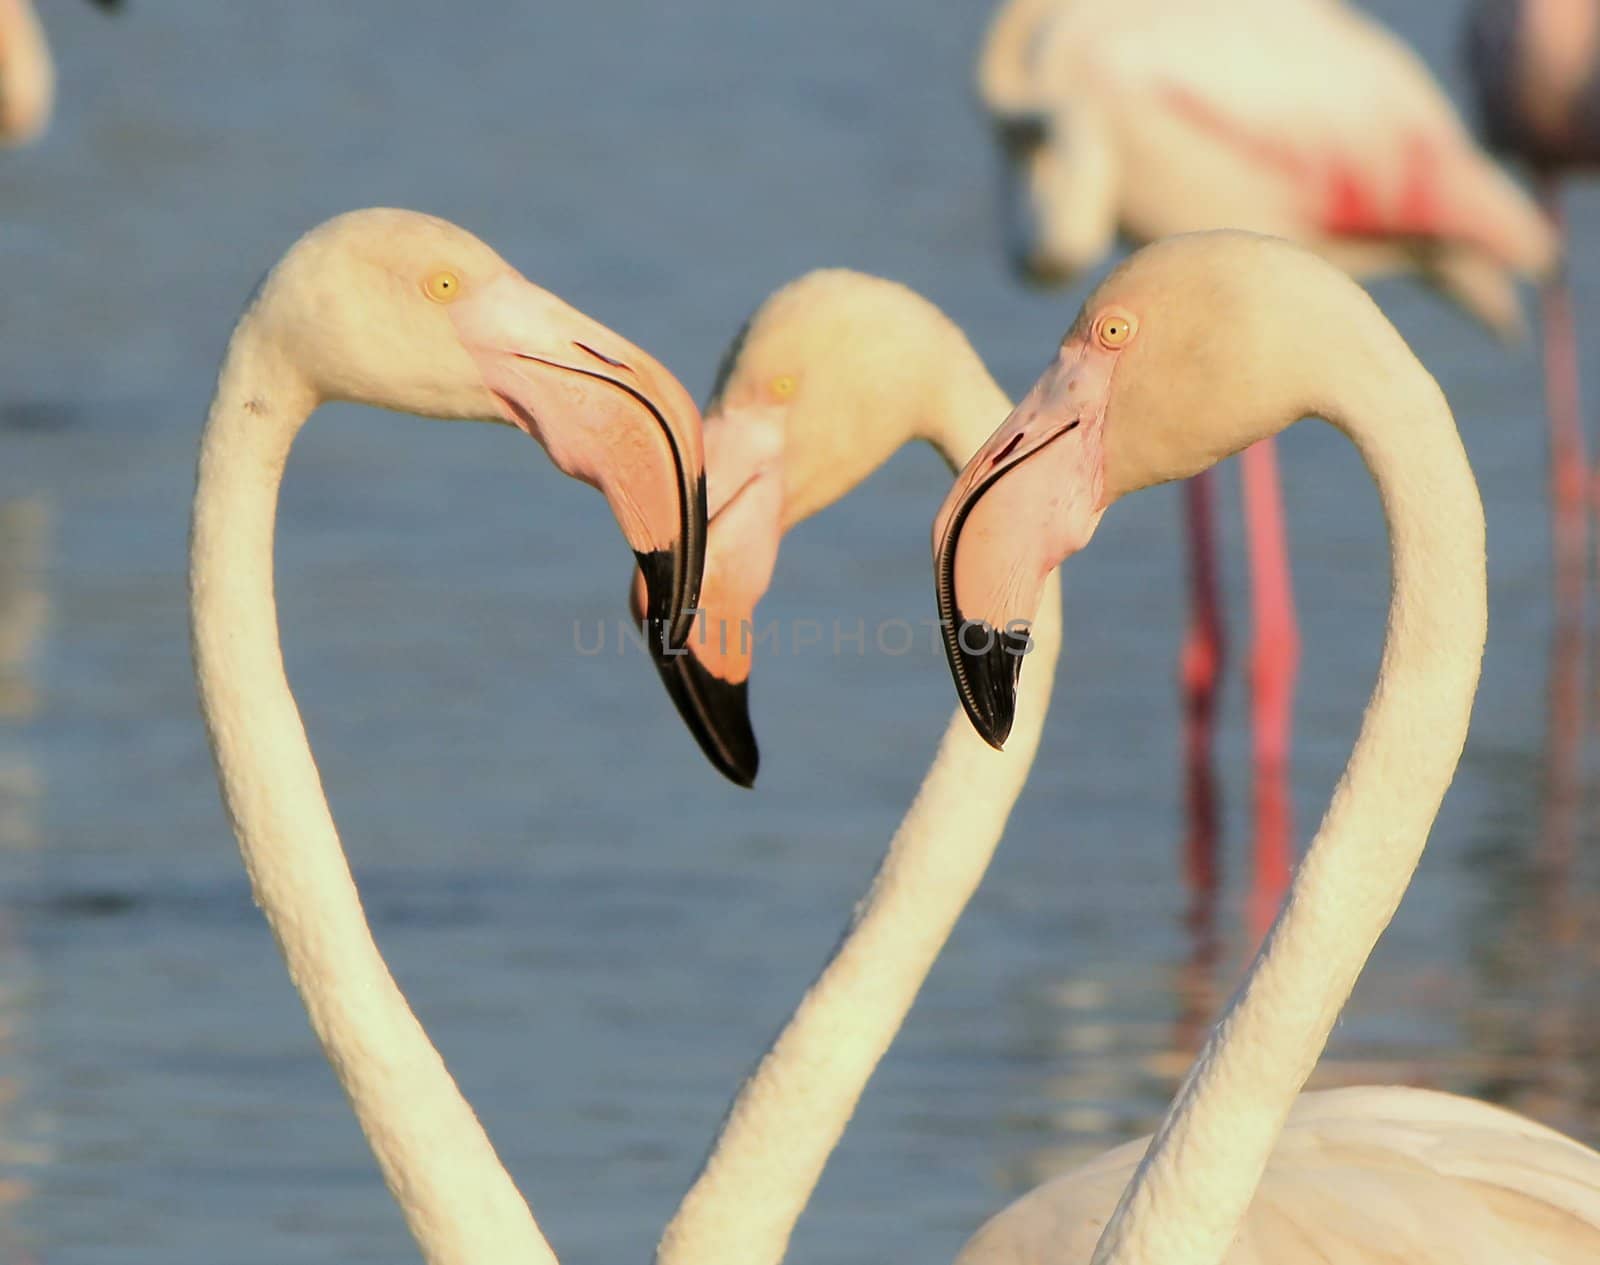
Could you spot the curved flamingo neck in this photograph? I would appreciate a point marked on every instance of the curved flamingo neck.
(460, 1204)
(791, 1111)
(1197, 1179)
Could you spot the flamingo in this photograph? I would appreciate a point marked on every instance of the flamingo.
(410, 313)
(1300, 118)
(27, 77)
(1536, 67)
(832, 374)
(1193, 350)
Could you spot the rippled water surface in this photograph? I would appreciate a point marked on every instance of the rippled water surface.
(601, 935)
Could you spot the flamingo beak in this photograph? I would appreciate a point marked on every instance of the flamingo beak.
(610, 415)
(1028, 499)
(708, 680)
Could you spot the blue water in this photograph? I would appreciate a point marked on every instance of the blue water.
(600, 935)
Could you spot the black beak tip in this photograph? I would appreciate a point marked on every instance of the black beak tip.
(995, 729)
(717, 713)
(992, 719)
(991, 663)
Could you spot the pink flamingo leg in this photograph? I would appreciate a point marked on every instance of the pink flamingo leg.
(1274, 660)
(1200, 667)
(1569, 462)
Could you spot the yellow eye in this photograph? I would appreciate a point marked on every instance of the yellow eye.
(443, 287)
(1114, 330)
(783, 386)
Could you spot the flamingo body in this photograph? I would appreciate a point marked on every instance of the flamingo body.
(1359, 1176)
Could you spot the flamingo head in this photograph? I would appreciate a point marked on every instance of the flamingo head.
(411, 313)
(1182, 356)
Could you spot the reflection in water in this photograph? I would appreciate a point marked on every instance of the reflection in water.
(1534, 1004)
(19, 1157)
(23, 611)
(24, 526)
(1195, 991)
(23, 605)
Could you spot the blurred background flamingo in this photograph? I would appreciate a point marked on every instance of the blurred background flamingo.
(27, 75)
(1159, 117)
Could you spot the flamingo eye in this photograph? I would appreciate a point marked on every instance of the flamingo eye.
(442, 287)
(1114, 330)
(783, 386)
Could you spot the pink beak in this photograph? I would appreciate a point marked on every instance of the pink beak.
(610, 415)
(708, 680)
(1029, 498)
